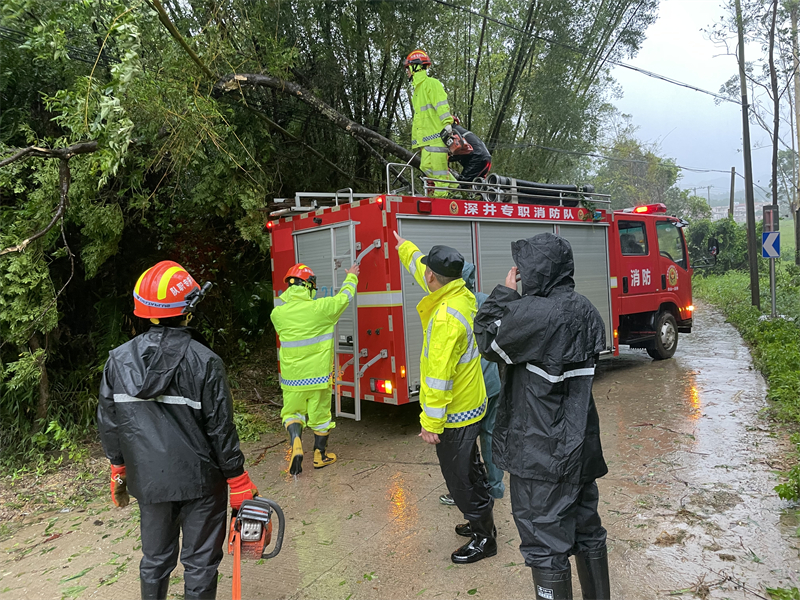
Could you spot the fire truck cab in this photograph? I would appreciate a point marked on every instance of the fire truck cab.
(632, 265)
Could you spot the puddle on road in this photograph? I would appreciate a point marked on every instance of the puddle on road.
(689, 498)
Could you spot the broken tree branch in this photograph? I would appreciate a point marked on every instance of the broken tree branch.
(234, 83)
(64, 179)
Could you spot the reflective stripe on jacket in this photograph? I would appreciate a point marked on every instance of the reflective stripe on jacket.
(305, 330)
(452, 393)
(431, 111)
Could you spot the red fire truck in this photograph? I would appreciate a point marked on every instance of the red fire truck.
(633, 266)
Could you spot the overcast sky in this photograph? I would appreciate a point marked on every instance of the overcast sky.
(688, 125)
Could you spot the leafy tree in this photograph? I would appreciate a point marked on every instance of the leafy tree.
(634, 174)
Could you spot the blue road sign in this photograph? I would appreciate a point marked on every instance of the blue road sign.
(771, 244)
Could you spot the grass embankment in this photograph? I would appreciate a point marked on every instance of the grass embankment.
(775, 344)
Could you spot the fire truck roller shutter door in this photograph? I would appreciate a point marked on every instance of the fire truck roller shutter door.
(495, 249)
(590, 251)
(317, 249)
(426, 234)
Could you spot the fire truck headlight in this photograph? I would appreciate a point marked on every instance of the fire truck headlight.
(690, 308)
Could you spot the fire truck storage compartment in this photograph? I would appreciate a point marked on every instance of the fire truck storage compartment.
(426, 234)
(329, 254)
(491, 241)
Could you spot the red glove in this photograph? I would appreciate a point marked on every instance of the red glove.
(242, 488)
(119, 486)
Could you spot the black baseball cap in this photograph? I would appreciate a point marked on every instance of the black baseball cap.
(445, 261)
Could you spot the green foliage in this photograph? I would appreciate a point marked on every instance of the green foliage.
(790, 489)
(732, 245)
(775, 344)
(635, 174)
(19, 381)
(784, 593)
(250, 424)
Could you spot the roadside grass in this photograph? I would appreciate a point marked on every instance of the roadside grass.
(775, 344)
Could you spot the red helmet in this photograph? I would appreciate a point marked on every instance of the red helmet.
(161, 291)
(417, 57)
(299, 274)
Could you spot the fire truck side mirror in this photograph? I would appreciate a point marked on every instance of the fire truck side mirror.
(713, 247)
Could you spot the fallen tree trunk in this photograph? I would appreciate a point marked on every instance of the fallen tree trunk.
(234, 83)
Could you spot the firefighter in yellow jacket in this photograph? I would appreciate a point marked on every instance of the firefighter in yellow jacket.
(431, 117)
(452, 393)
(305, 329)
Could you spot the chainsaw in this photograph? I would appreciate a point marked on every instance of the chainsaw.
(455, 142)
(251, 533)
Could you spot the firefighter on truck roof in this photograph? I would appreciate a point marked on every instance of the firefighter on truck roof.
(431, 116)
(452, 393)
(165, 416)
(305, 328)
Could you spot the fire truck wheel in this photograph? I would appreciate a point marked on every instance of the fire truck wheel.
(666, 341)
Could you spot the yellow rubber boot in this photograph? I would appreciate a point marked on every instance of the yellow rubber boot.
(296, 460)
(322, 458)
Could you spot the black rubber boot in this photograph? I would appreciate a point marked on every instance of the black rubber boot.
(552, 585)
(593, 574)
(465, 530)
(154, 590)
(209, 594)
(296, 461)
(321, 458)
(482, 544)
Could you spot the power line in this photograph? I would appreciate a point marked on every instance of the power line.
(623, 160)
(579, 51)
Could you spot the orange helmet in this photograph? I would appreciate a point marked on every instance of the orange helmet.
(301, 274)
(162, 290)
(417, 57)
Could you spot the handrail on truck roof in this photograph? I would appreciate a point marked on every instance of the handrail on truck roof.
(489, 192)
(512, 191)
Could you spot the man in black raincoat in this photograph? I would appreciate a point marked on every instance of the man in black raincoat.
(165, 416)
(547, 433)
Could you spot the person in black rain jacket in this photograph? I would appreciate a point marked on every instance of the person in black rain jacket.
(165, 416)
(547, 433)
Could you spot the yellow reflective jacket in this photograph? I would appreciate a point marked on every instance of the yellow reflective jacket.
(305, 329)
(431, 111)
(452, 393)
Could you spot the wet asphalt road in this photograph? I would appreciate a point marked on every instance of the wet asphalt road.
(688, 502)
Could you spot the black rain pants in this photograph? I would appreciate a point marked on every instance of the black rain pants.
(555, 521)
(203, 522)
(463, 470)
(475, 168)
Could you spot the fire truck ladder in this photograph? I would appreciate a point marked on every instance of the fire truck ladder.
(355, 353)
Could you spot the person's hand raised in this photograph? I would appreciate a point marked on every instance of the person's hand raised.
(399, 240)
(512, 278)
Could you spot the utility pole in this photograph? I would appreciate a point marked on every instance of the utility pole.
(752, 247)
(796, 61)
(733, 191)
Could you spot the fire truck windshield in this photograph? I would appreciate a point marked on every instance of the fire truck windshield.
(670, 242)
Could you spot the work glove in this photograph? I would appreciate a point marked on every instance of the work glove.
(242, 488)
(119, 486)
